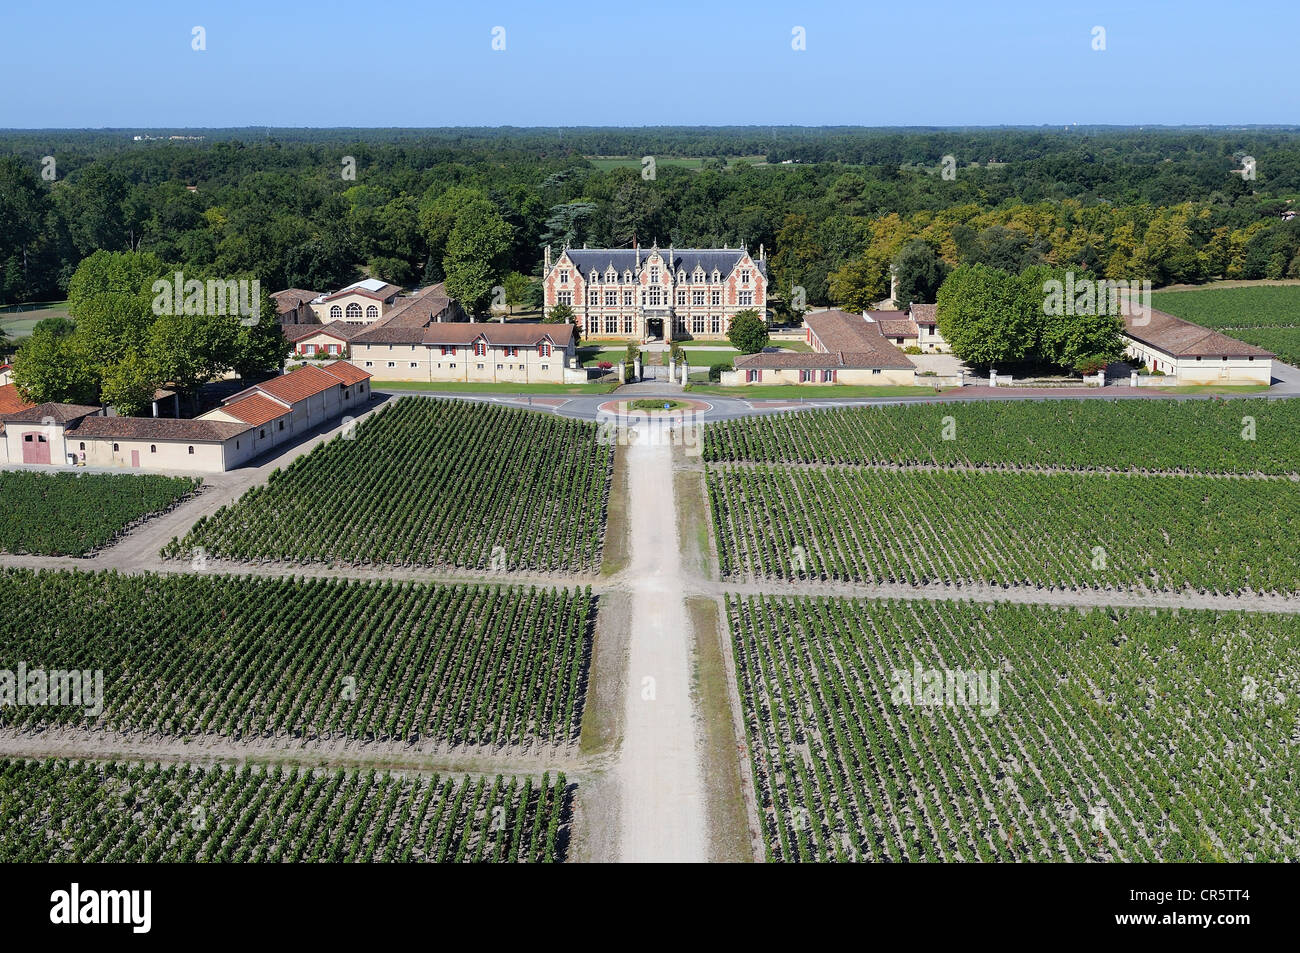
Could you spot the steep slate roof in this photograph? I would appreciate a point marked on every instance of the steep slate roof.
(1184, 339)
(623, 259)
(157, 428)
(858, 342)
(60, 413)
(924, 314)
(256, 409)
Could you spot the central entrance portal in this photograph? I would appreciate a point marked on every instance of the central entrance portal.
(654, 329)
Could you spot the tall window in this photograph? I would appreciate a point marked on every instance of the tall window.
(593, 297)
(544, 350)
(628, 299)
(480, 349)
(611, 299)
(655, 297)
(564, 277)
(611, 324)
(716, 295)
(744, 278)
(715, 324)
(654, 274)
(627, 324)
(681, 296)
(697, 324)
(697, 297)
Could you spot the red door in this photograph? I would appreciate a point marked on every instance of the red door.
(135, 458)
(36, 448)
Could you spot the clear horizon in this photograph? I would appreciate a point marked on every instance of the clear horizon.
(407, 65)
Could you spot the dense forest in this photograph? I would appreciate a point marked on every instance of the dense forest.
(834, 207)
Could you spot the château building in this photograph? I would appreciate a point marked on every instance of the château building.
(652, 294)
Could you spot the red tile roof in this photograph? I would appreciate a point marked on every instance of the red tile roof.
(306, 381)
(157, 428)
(349, 374)
(256, 409)
(10, 402)
(858, 341)
(1181, 338)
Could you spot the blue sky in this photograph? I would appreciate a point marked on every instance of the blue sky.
(663, 62)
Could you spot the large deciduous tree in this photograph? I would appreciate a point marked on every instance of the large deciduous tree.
(476, 253)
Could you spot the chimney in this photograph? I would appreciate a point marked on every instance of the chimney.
(761, 256)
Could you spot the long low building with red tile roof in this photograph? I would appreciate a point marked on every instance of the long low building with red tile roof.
(1192, 354)
(487, 352)
(249, 423)
(846, 349)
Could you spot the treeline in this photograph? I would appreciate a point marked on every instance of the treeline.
(318, 208)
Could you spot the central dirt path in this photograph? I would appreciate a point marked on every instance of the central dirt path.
(662, 799)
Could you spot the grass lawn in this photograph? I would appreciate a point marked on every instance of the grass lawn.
(652, 403)
(17, 321)
(699, 357)
(505, 387)
(823, 391)
(591, 356)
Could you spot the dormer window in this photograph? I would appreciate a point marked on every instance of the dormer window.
(699, 274)
(717, 275)
(595, 278)
(681, 276)
(611, 275)
(627, 277)
(480, 349)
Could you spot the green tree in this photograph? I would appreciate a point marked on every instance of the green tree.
(560, 314)
(190, 350)
(748, 332)
(475, 256)
(56, 369)
(920, 273)
(985, 316)
(260, 348)
(129, 385)
(518, 289)
(59, 326)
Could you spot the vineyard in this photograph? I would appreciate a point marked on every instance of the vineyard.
(1108, 735)
(244, 657)
(114, 812)
(73, 514)
(429, 483)
(1263, 306)
(1151, 435)
(953, 526)
(1267, 316)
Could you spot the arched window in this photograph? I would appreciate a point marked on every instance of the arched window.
(115, 448)
(153, 448)
(354, 312)
(191, 451)
(335, 312)
(372, 312)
